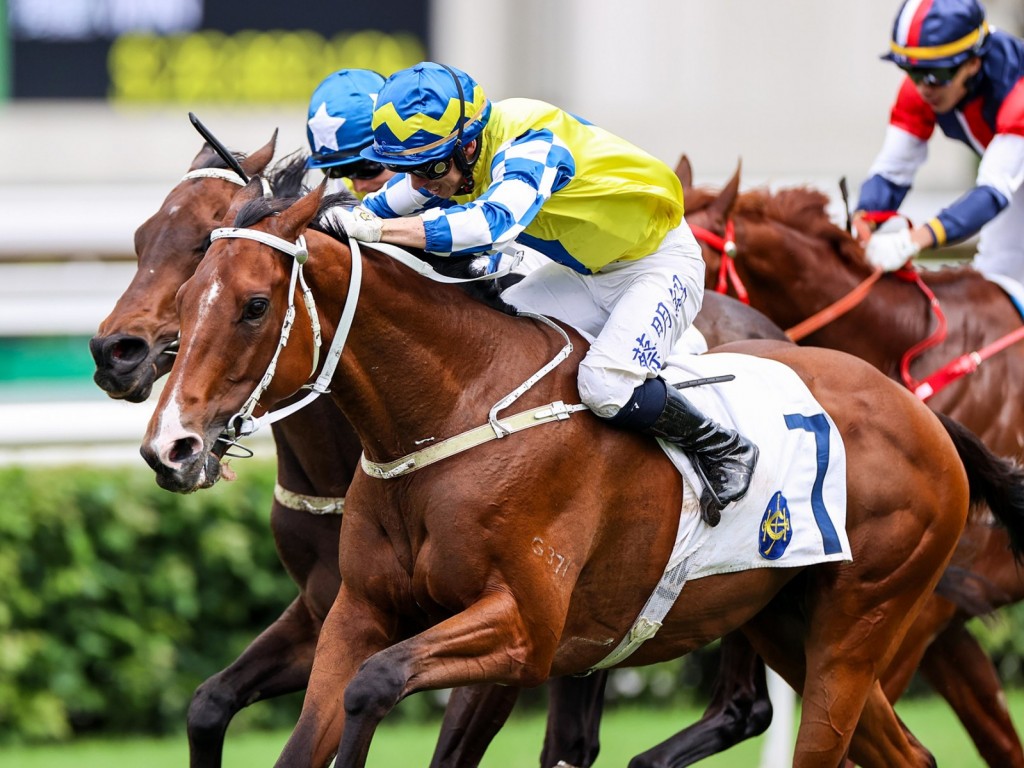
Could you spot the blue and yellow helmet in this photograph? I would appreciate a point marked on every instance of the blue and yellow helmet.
(340, 110)
(937, 33)
(423, 111)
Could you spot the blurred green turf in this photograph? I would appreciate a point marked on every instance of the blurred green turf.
(624, 733)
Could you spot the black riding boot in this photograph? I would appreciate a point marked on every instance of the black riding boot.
(723, 458)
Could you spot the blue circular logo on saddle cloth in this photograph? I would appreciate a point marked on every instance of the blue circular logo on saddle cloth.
(776, 529)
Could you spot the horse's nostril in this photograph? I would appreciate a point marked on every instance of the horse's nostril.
(184, 449)
(118, 351)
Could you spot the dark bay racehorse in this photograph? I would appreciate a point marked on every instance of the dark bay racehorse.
(442, 582)
(317, 453)
(794, 262)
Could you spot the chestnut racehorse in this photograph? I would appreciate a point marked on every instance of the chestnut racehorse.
(794, 262)
(441, 582)
(317, 453)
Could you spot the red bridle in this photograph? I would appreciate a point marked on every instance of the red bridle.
(726, 247)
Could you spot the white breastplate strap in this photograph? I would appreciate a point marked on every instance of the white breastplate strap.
(226, 174)
(302, 502)
(556, 411)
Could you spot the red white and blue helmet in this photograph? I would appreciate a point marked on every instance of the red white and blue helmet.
(937, 33)
(423, 111)
(338, 120)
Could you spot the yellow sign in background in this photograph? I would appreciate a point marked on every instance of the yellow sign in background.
(249, 67)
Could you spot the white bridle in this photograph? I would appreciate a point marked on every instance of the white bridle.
(244, 423)
(226, 174)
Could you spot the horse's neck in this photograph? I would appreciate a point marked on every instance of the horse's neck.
(416, 352)
(795, 280)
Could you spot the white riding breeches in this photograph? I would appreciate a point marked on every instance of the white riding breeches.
(1001, 241)
(635, 313)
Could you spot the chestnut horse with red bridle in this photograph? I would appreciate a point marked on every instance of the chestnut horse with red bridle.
(443, 582)
(317, 454)
(936, 331)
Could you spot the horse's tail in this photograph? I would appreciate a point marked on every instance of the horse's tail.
(994, 480)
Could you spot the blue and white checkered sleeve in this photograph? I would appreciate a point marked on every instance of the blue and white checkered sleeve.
(398, 198)
(524, 174)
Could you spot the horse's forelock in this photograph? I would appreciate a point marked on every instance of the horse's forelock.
(259, 208)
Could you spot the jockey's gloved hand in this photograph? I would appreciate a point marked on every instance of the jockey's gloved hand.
(360, 223)
(891, 250)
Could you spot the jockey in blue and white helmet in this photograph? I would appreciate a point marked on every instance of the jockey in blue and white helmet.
(623, 265)
(338, 128)
(967, 79)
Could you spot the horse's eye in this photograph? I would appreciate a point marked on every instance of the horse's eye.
(255, 309)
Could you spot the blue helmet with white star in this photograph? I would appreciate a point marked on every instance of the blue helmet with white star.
(937, 33)
(425, 113)
(340, 110)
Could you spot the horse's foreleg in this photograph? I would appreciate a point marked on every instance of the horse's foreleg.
(960, 670)
(275, 663)
(475, 713)
(487, 642)
(881, 740)
(935, 615)
(575, 705)
(353, 631)
(739, 709)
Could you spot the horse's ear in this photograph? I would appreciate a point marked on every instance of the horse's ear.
(260, 159)
(205, 156)
(293, 221)
(685, 172)
(249, 192)
(722, 205)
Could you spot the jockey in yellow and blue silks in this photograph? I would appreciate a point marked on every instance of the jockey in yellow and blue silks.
(338, 128)
(968, 80)
(624, 268)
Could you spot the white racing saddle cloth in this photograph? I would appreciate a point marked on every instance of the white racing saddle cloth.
(794, 513)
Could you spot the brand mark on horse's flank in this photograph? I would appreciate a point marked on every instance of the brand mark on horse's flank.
(560, 563)
(776, 528)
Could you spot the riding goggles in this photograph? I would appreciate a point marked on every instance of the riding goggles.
(938, 76)
(431, 170)
(360, 170)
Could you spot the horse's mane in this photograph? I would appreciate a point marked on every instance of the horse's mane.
(800, 209)
(213, 159)
(804, 210)
(486, 291)
(286, 176)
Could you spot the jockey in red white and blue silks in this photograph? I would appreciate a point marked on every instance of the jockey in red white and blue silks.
(968, 80)
(624, 266)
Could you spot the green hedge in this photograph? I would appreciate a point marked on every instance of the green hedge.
(118, 598)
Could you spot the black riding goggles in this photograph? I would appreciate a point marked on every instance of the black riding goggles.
(360, 170)
(432, 170)
(931, 75)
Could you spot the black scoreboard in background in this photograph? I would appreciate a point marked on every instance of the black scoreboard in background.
(219, 51)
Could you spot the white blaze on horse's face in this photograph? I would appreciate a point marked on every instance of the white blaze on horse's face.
(170, 428)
